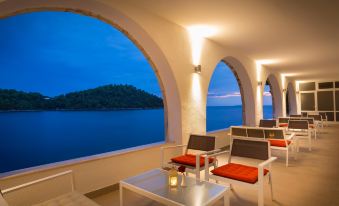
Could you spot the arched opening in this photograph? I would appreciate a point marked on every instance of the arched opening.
(272, 100)
(225, 99)
(268, 106)
(76, 97)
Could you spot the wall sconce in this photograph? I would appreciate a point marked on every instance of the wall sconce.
(197, 69)
(297, 92)
(284, 90)
(259, 83)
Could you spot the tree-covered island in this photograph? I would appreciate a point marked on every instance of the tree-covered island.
(101, 98)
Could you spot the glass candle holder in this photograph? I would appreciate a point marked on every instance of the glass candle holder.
(173, 177)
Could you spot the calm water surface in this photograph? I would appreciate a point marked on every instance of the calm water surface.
(35, 138)
(30, 139)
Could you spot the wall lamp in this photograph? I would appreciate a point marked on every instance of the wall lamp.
(259, 83)
(197, 69)
(297, 92)
(284, 90)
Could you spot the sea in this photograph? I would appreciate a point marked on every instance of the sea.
(29, 139)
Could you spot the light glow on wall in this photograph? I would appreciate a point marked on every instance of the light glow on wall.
(283, 80)
(198, 33)
(196, 87)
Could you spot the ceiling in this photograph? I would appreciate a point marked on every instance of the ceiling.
(301, 37)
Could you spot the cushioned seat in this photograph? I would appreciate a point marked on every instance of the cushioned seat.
(238, 172)
(279, 143)
(283, 124)
(190, 160)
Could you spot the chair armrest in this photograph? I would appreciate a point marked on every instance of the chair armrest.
(290, 136)
(174, 146)
(218, 153)
(210, 152)
(270, 160)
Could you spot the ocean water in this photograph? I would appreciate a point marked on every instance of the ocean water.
(221, 117)
(30, 139)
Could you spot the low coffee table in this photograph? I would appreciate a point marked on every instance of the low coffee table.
(153, 184)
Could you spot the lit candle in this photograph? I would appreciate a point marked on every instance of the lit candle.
(173, 178)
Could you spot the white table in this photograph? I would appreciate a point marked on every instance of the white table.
(153, 184)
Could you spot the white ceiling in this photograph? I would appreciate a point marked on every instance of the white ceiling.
(302, 36)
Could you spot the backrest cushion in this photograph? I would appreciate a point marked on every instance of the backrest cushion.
(201, 142)
(316, 117)
(256, 149)
(237, 131)
(298, 124)
(274, 134)
(283, 120)
(269, 123)
(253, 132)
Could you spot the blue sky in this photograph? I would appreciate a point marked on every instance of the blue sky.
(57, 52)
(224, 90)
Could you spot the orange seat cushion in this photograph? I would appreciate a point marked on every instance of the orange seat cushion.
(311, 126)
(238, 172)
(190, 160)
(279, 143)
(283, 125)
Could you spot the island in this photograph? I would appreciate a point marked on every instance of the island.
(107, 97)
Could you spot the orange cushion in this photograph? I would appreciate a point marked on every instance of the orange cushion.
(279, 143)
(238, 172)
(189, 159)
(311, 126)
(283, 124)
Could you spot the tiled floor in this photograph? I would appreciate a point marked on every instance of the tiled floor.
(313, 179)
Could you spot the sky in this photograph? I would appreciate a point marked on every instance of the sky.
(224, 89)
(57, 52)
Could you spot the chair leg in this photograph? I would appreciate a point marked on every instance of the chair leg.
(271, 186)
(197, 174)
(261, 195)
(310, 144)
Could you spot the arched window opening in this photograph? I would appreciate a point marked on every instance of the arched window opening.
(268, 108)
(224, 100)
(73, 86)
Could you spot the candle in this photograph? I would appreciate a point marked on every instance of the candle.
(173, 178)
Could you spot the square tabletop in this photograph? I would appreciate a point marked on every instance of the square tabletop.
(155, 182)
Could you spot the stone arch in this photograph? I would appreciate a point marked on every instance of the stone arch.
(133, 31)
(292, 98)
(276, 93)
(245, 87)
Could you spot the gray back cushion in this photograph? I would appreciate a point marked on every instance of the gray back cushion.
(235, 131)
(201, 142)
(298, 124)
(259, 133)
(274, 134)
(250, 149)
(269, 123)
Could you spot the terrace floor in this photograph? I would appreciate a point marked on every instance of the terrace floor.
(312, 179)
